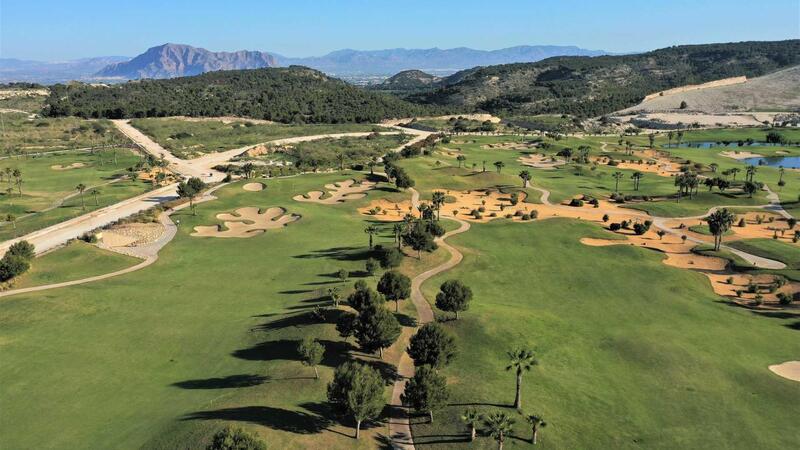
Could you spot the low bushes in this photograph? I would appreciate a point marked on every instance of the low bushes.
(16, 261)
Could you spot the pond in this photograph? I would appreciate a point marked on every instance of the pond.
(790, 162)
(716, 144)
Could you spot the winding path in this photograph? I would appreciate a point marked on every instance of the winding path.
(399, 425)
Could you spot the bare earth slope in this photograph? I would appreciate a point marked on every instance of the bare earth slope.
(778, 91)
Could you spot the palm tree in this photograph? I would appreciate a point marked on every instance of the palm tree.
(335, 296)
(617, 176)
(371, 164)
(751, 172)
(471, 419)
(536, 422)
(80, 188)
(499, 165)
(636, 177)
(398, 232)
(13, 220)
(670, 135)
(438, 201)
(95, 193)
(714, 167)
(521, 361)
(780, 171)
(734, 171)
(526, 176)
(680, 137)
(484, 165)
(371, 230)
(499, 424)
(460, 159)
(340, 158)
(719, 222)
(18, 179)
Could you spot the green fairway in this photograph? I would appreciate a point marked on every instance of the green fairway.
(75, 261)
(189, 139)
(625, 343)
(207, 332)
(44, 201)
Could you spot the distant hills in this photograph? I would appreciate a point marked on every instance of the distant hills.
(54, 72)
(587, 86)
(177, 60)
(433, 60)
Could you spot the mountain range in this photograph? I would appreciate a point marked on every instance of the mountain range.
(175, 60)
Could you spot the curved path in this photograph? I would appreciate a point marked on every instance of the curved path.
(399, 425)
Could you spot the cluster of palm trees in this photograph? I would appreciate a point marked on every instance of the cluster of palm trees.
(13, 178)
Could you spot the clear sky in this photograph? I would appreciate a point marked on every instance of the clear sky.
(63, 29)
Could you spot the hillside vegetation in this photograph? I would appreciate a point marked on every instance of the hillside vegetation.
(288, 95)
(591, 86)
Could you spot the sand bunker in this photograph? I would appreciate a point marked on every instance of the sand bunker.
(338, 192)
(740, 154)
(253, 187)
(789, 370)
(387, 211)
(75, 165)
(771, 226)
(540, 161)
(247, 222)
(508, 146)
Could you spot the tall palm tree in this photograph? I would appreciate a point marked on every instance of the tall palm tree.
(734, 171)
(751, 172)
(636, 177)
(670, 135)
(471, 419)
(520, 361)
(371, 230)
(536, 422)
(617, 176)
(719, 222)
(80, 188)
(680, 137)
(460, 159)
(499, 165)
(526, 176)
(95, 193)
(438, 201)
(499, 424)
(398, 232)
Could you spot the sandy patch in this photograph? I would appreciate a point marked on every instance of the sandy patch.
(247, 222)
(508, 146)
(789, 369)
(253, 187)
(387, 211)
(740, 154)
(540, 161)
(772, 226)
(338, 192)
(131, 234)
(152, 174)
(75, 165)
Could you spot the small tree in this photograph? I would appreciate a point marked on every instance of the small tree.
(432, 346)
(426, 391)
(525, 175)
(311, 353)
(520, 361)
(364, 297)
(420, 240)
(536, 422)
(81, 188)
(334, 295)
(371, 230)
(95, 193)
(719, 222)
(376, 329)
(346, 325)
(453, 297)
(358, 391)
(371, 266)
(190, 189)
(342, 275)
(499, 425)
(471, 419)
(395, 286)
(23, 249)
(499, 165)
(235, 439)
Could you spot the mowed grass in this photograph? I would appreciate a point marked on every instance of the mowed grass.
(189, 139)
(75, 261)
(166, 356)
(633, 354)
(45, 190)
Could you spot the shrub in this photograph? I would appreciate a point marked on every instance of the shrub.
(89, 238)
(605, 217)
(388, 257)
(526, 217)
(534, 214)
(235, 439)
(12, 265)
(576, 202)
(614, 227)
(23, 249)
(742, 223)
(784, 298)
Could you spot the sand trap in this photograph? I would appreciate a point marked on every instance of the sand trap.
(247, 222)
(789, 370)
(508, 146)
(75, 165)
(131, 234)
(387, 211)
(540, 161)
(253, 187)
(338, 192)
(740, 154)
(752, 230)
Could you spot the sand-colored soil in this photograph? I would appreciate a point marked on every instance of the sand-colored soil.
(338, 192)
(387, 211)
(740, 154)
(75, 165)
(149, 175)
(253, 187)
(540, 161)
(679, 254)
(131, 234)
(752, 230)
(789, 369)
(508, 146)
(247, 222)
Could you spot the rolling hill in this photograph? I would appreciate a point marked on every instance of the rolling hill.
(591, 86)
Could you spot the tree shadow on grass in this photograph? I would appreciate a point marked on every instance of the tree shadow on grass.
(406, 320)
(229, 382)
(793, 325)
(338, 253)
(326, 410)
(336, 352)
(275, 418)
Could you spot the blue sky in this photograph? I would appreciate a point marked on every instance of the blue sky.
(57, 30)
